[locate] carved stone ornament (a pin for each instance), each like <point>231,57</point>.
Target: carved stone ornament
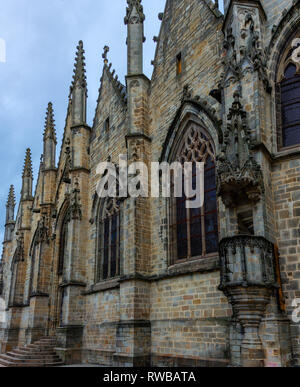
<point>249,56</point>
<point>134,12</point>
<point>239,177</point>
<point>68,166</point>
<point>42,231</point>
<point>75,206</point>
<point>19,253</point>
<point>253,52</point>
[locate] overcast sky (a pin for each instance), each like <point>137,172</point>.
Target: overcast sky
<point>41,39</point>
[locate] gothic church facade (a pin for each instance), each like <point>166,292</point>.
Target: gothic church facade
<point>145,281</point>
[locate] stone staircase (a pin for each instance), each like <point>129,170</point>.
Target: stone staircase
<point>38,354</point>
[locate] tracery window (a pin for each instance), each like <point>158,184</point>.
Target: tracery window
<point>194,232</point>
<point>288,101</point>
<point>109,240</point>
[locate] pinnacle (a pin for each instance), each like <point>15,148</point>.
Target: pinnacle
<point>11,201</point>
<point>134,12</point>
<point>79,77</point>
<point>27,171</point>
<point>49,124</point>
<point>115,81</point>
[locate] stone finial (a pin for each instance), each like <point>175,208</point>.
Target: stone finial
<point>79,77</point>
<point>239,176</point>
<point>49,124</point>
<point>11,201</point>
<point>104,55</point>
<point>27,171</point>
<point>134,12</point>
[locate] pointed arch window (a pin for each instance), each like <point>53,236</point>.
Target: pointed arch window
<point>194,232</point>
<point>288,101</point>
<point>63,245</point>
<point>33,270</point>
<point>17,274</point>
<point>108,255</point>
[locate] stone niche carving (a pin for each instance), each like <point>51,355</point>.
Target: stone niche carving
<point>75,203</point>
<point>239,177</point>
<point>42,230</point>
<point>134,12</point>
<point>243,52</point>
<point>19,253</point>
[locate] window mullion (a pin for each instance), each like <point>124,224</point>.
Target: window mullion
<point>174,246</point>
<point>109,248</point>
<point>189,238</point>
<point>203,230</point>
<point>101,252</point>
<point>118,246</point>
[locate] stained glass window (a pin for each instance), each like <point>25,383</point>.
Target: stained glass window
<point>195,231</point>
<point>290,106</point>
<point>109,241</point>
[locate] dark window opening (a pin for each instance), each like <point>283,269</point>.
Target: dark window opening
<point>63,245</point>
<point>245,222</point>
<point>290,107</point>
<point>195,231</point>
<point>109,242</point>
<point>106,125</point>
<point>179,64</point>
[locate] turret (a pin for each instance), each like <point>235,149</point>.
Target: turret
<point>137,83</point>
<point>135,36</point>
<point>49,139</point>
<point>10,215</point>
<point>78,91</point>
<point>26,193</point>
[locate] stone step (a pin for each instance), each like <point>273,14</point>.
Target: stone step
<point>43,345</point>
<point>51,356</point>
<point>40,347</point>
<point>46,341</point>
<point>38,354</point>
<point>4,363</point>
<point>27,351</point>
<point>18,360</point>
<point>28,362</point>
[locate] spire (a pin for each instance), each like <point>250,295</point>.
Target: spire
<point>79,77</point>
<point>49,124</point>
<point>49,140</point>
<point>134,12</point>
<point>26,193</point>
<point>134,20</point>
<point>78,90</point>
<point>27,170</point>
<point>10,215</point>
<point>104,55</point>
<point>11,201</point>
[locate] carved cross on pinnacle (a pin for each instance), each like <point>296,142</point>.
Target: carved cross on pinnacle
<point>186,94</point>
<point>104,55</point>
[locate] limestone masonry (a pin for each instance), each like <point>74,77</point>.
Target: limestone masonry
<point>145,281</point>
